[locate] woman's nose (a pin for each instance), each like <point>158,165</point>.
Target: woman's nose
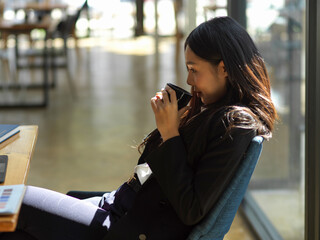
<point>189,79</point>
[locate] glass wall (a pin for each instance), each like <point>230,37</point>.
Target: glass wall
<point>278,28</point>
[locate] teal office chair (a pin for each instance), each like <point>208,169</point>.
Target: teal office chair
<point>218,221</point>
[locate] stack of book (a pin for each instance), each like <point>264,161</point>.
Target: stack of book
<point>7,131</point>
<point>10,198</point>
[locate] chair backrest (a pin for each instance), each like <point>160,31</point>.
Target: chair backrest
<point>219,219</point>
<point>67,25</point>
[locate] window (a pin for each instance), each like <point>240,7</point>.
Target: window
<point>277,186</point>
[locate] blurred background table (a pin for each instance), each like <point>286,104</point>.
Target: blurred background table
<point>17,28</point>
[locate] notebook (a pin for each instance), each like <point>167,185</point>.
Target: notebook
<point>10,198</point>
<point>7,131</point>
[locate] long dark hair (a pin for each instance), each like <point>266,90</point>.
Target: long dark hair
<point>223,38</point>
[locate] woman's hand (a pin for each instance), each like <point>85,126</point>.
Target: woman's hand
<point>166,113</point>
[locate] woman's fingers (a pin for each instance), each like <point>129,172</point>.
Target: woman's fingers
<point>153,104</point>
<point>165,98</point>
<point>156,102</point>
<point>167,95</point>
<point>172,93</point>
<point>165,108</point>
<point>159,95</point>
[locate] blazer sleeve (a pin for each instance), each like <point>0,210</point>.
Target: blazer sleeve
<point>192,191</point>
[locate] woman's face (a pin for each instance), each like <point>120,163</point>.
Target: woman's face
<point>209,82</point>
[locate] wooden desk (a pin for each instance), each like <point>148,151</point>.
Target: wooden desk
<point>19,149</point>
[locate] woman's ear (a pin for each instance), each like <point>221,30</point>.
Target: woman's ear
<point>222,69</point>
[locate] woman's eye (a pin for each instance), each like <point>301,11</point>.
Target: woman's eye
<point>191,70</point>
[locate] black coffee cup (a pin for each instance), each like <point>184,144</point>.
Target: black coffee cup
<point>183,96</point>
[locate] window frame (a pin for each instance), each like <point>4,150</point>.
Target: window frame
<point>312,154</point>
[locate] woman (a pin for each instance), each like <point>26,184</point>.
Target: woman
<point>186,162</point>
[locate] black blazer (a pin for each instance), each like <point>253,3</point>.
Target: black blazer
<point>189,173</point>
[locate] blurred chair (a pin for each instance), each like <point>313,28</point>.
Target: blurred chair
<point>218,221</point>
<point>67,27</point>
<point>64,29</point>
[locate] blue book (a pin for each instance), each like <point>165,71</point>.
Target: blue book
<point>7,131</point>
<point>11,197</point>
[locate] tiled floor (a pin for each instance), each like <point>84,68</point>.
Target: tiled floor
<point>87,142</point>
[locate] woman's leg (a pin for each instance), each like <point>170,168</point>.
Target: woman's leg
<point>46,215</point>
<point>17,235</point>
